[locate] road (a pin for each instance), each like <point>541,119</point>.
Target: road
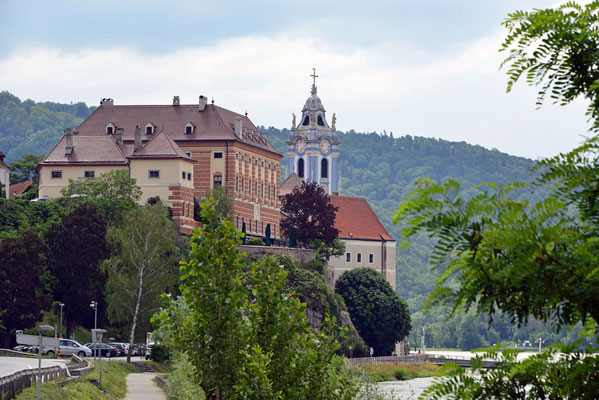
<point>10,365</point>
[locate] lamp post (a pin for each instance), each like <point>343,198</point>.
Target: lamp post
<point>94,305</point>
<point>43,328</point>
<point>61,306</point>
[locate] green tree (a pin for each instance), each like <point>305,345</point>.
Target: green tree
<point>23,292</point>
<point>114,193</point>
<point>378,313</point>
<point>244,333</point>
<point>309,210</point>
<point>24,168</point>
<point>556,49</point>
<point>142,268</point>
<point>77,247</point>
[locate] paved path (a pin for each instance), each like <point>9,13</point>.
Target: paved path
<point>142,387</point>
<point>10,365</point>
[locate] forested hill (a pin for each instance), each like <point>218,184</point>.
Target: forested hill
<point>27,127</point>
<point>382,169</point>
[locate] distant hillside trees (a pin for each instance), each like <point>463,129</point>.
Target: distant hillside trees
<point>27,127</point>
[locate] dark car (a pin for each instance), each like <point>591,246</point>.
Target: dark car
<point>105,349</point>
<point>123,348</point>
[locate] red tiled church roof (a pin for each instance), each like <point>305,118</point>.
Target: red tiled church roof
<point>287,187</point>
<point>214,123</point>
<point>356,220</point>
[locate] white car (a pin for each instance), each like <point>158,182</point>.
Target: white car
<point>70,347</point>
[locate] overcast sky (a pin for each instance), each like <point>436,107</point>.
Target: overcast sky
<point>419,67</point>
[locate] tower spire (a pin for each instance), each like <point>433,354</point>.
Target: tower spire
<point>314,76</point>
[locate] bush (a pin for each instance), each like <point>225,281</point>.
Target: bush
<point>181,385</point>
<point>160,353</point>
<point>255,242</point>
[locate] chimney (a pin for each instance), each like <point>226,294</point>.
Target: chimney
<point>119,136</point>
<point>238,126</point>
<point>203,101</point>
<point>107,102</point>
<point>69,142</point>
<point>137,144</point>
<point>176,101</point>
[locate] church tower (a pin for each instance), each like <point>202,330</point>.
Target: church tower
<point>313,147</point>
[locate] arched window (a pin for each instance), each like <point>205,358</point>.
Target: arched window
<point>300,168</point>
<point>324,168</point>
<point>306,120</point>
<point>320,121</point>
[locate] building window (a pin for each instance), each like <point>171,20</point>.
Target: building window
<point>109,130</point>
<point>256,189</point>
<point>56,174</point>
<point>324,168</point>
<point>154,173</point>
<point>184,174</point>
<point>242,185</point>
<point>300,168</point>
<point>218,154</point>
<point>149,129</point>
<point>189,128</point>
<point>189,176</point>
<point>256,162</point>
<point>243,157</point>
<point>262,190</point>
<point>237,184</point>
<point>269,198</point>
<point>262,164</point>
<point>237,156</point>
<point>89,174</point>
<point>347,257</point>
<point>320,121</point>
<point>359,257</point>
<point>306,120</point>
<point>371,258</point>
<point>218,180</point>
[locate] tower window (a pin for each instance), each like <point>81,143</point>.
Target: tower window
<point>324,168</point>
<point>306,120</point>
<point>300,168</point>
<point>320,121</point>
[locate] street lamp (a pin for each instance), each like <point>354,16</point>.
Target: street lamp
<point>94,305</point>
<point>43,328</point>
<point>61,306</point>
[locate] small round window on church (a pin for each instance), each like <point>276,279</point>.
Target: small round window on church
<point>320,121</point>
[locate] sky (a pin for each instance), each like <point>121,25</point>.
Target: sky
<point>419,67</point>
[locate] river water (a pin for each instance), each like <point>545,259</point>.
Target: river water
<point>405,390</point>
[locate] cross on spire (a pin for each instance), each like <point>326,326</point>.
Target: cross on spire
<point>314,76</point>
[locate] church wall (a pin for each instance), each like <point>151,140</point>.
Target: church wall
<point>379,250</point>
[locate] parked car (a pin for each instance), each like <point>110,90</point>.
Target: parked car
<point>123,348</point>
<point>105,349</point>
<point>138,350</point>
<point>70,347</point>
<point>21,347</point>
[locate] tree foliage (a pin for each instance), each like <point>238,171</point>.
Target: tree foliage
<point>556,49</point>
<point>245,335</point>
<point>77,247</point>
<point>309,210</point>
<point>114,193</point>
<point>24,168</point>
<point>142,268</point>
<point>378,313</point>
<point>23,293</point>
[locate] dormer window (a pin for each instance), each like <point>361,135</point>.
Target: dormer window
<point>149,129</point>
<point>109,129</point>
<point>189,128</point>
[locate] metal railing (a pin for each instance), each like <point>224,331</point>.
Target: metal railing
<point>410,359</point>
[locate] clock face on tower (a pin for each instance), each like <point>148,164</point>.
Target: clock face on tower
<point>300,146</point>
<point>325,146</point>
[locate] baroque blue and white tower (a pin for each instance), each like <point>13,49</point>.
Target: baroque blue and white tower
<point>313,147</point>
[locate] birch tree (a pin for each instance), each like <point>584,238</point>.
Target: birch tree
<point>143,266</point>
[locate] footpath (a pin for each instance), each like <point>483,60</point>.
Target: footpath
<point>142,387</point>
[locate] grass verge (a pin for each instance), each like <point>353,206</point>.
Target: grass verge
<point>159,367</point>
<point>113,385</point>
<point>402,372</point>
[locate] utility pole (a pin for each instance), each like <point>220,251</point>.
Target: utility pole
<point>61,306</point>
<point>422,340</point>
<point>94,305</point>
